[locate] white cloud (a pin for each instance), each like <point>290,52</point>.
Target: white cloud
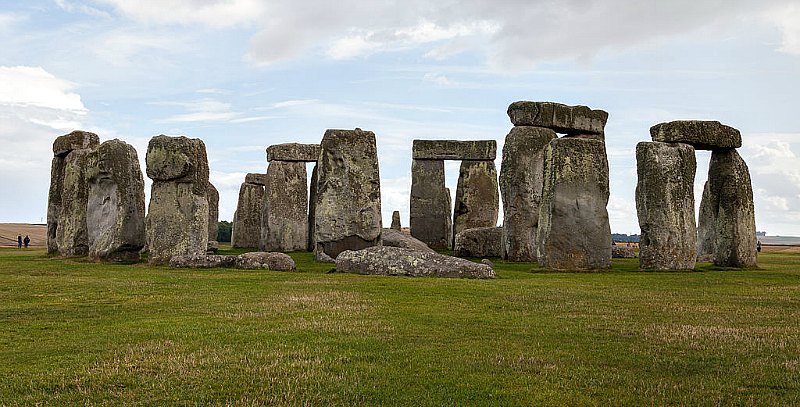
<point>73,7</point>
<point>207,110</point>
<point>787,19</point>
<point>215,13</point>
<point>33,86</point>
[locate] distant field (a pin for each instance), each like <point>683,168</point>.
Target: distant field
<point>10,231</point>
<point>77,332</point>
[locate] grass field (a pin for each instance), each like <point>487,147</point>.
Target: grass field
<point>76,332</point>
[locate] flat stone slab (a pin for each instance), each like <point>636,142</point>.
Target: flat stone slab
<point>396,261</point>
<point>257,179</point>
<point>245,261</point>
<point>293,152</point>
<point>396,238</point>
<point>483,150</point>
<point>702,135</point>
<point>558,117</point>
<point>77,140</point>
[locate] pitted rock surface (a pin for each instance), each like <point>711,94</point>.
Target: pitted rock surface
<point>558,117</point>
<point>479,242</point>
<point>482,150</point>
<point>396,261</point>
<point>702,135</point>
<point>284,213</point>
<point>396,238</point>
<point>477,196</point>
<point>293,152</point>
<point>213,218</point>
<point>246,229</point>
<point>431,218</point>
<point>265,260</point>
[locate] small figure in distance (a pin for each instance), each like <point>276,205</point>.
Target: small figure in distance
<point>758,246</point>
<point>26,241</point>
<point>19,241</point>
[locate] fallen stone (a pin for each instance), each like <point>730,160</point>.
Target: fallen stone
<point>396,238</point>
<point>246,228</point>
<point>482,150</point>
<point>487,262</point>
<point>479,242</point>
<point>622,252</point>
<point>396,220</point>
<point>284,214</point>
<point>431,218</point>
<point>702,135</point>
<point>477,196</point>
<point>396,261</point>
<point>213,218</point>
<point>202,261</point>
<point>265,260</point>
<point>558,117</point>
<point>77,140</point>
<point>293,152</point>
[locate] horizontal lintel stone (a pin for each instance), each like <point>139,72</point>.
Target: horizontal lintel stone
<point>482,150</point>
<point>293,152</point>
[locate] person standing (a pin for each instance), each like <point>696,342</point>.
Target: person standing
<point>19,241</point>
<point>26,241</point>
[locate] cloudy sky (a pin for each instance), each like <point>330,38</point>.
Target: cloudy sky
<point>245,74</point>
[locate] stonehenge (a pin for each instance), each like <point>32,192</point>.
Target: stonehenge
<point>479,242</point>
<point>396,220</point>
<point>477,196</point>
<point>213,218</point>
<point>397,261</point>
<point>284,211</point>
<point>430,213</point>
<point>246,229</point>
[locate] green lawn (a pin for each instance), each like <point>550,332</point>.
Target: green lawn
<point>76,332</point>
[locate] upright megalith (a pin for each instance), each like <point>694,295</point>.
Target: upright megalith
<point>246,228</point>
<point>312,208</point>
<point>521,182</point>
<point>477,196</point>
<point>67,233</point>
<point>573,231</point>
<point>706,225</point>
<point>665,205</point>
<point>284,214</point>
<point>348,195</point>
<point>396,220</point>
<point>213,218</point>
<point>115,207</point>
<point>430,207</point>
<point>177,218</point>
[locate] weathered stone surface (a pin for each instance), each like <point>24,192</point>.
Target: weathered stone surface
<point>707,220</point>
<point>702,135</point>
<point>265,260</point>
<point>396,238</point>
<point>483,150</point>
<point>479,242</point>
<point>202,261</point>
<point>258,179</point>
<point>115,209</point>
<point>72,237</point>
<point>177,217</point>
<point>430,207</point>
<point>396,220</point>
<point>246,228</point>
<point>477,196</point>
<point>54,202</point>
<point>558,117</point>
<point>213,218</point>
<point>735,225</point>
<point>396,261</point>
<point>77,140</point>
<point>348,204</point>
<point>665,206</point>
<point>312,208</point>
<point>521,182</point>
<point>573,232</point>
<point>293,152</point>
<point>622,252</point>
<point>284,211</point>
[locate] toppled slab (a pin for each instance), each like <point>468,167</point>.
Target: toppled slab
<point>396,261</point>
<point>479,242</point>
<point>245,261</point>
<point>396,238</point>
<point>454,150</point>
<point>702,135</point>
<point>293,152</point>
<point>622,252</point>
<point>202,261</point>
<point>558,117</point>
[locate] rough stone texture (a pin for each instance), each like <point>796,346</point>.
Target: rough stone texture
<point>558,117</point>
<point>574,233</point>
<point>213,218</point>
<point>77,140</point>
<point>622,252</point>
<point>482,150</point>
<point>177,217</point>
<point>521,182</point>
<point>115,209</point>
<point>265,260</point>
<point>293,152</point>
<point>707,220</point>
<point>477,196</point>
<point>396,238</point>
<point>54,202</point>
<point>430,207</point>
<point>203,261</point>
<point>257,179</point>
<point>396,261</point>
<point>665,206</point>
<point>246,228</point>
<point>312,208</point>
<point>396,220</point>
<point>348,201</point>
<point>284,213</point>
<point>735,225</point>
<point>479,242</point>
<point>702,135</point>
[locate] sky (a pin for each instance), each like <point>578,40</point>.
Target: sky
<point>246,74</point>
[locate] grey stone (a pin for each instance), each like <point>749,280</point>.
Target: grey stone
<point>430,207</point>
<point>312,208</point>
<point>396,238</point>
<point>54,203</point>
<point>477,196</point>
<point>348,201</point>
<point>284,211</point>
<point>707,220</point>
<point>396,220</point>
<point>479,242</point>
<point>77,140</point>
<point>265,260</point>
<point>487,262</point>
<point>558,117</point>
<point>521,182</point>
<point>293,152</point>
<point>202,261</point>
<point>622,252</point>
<point>665,206</point>
<point>574,232</point>
<point>483,150</point>
<point>246,228</point>
<point>177,216</point>
<point>396,261</point>
<point>257,179</point>
<point>702,135</point>
<point>213,218</point>
<point>115,209</point>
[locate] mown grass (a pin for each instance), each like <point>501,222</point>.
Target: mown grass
<point>78,332</point>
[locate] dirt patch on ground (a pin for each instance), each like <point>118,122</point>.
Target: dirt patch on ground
<point>780,248</point>
<point>10,231</point>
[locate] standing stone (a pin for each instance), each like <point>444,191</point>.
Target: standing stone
<point>396,220</point>
<point>284,218</point>
<point>477,196</point>
<point>312,208</point>
<point>706,223</point>
<point>574,232</point>
<point>430,214</point>
<point>348,201</point>
<point>479,242</point>
<point>115,209</point>
<point>521,182</point>
<point>246,229</point>
<point>213,218</point>
<point>735,225</point>
<point>177,217</point>
<point>66,212</point>
<point>665,206</point>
